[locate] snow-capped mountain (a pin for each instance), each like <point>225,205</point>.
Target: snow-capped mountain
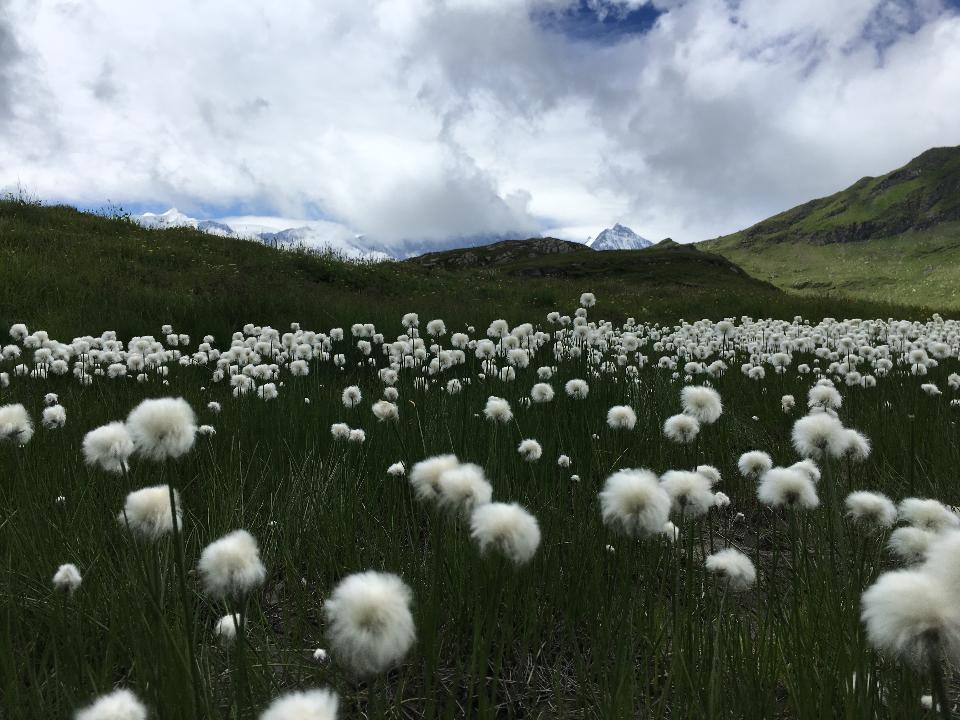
<point>619,237</point>
<point>277,232</point>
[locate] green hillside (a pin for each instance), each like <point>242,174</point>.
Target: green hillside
<point>64,270</point>
<point>894,238</point>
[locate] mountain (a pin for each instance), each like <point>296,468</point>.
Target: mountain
<point>317,235</point>
<point>619,237</point>
<point>895,237</point>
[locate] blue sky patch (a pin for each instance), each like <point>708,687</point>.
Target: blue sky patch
<point>599,22</point>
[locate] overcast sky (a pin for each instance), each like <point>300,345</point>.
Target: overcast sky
<point>438,119</point>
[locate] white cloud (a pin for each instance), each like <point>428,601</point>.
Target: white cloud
<point>428,120</point>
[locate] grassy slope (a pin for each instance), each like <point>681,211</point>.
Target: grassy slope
<point>65,271</point>
<point>895,238</point>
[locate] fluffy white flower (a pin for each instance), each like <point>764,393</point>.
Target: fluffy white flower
<point>351,396</point>
<point>854,445</point>
<point>633,501</point>
<point>824,396</point>
<point>498,410</point>
<point>754,463</point>
<point>231,566</point>
<point>213,407</point>
<point>226,628</point>
<point>928,514</point>
<point>108,446</point>
<point>370,625</point>
<point>577,389</point>
<point>689,492</point>
<point>396,470</point>
<point>303,705</point>
<point>54,417</point>
<point>588,300</point>
<point>530,450</point>
<point>814,435</point>
<point>721,500</point>
<point>787,403</point>
<point>384,410</point>
<point>563,461</point>
<point>735,567</point>
<point>871,508</point>
<point>910,543</point>
<point>147,511</point>
<point>425,475</point>
<point>462,488</point>
<point>903,609</point>
<point>340,431</point>
<point>701,402</point>
<point>67,578</point>
<point>541,392</point>
<point>710,473</point>
<point>357,436</point>
<point>118,705</point>
<point>681,428</point>
<point>621,417</point>
<point>786,487</point>
<point>809,468</point>
<point>162,428</point>
<point>508,529</point>
<point>15,424</point>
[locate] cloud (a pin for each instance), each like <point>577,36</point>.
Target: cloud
<point>436,121</point>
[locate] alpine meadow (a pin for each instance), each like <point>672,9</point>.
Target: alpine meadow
<point>480,360</point>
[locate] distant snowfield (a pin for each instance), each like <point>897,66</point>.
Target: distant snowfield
<point>328,235</point>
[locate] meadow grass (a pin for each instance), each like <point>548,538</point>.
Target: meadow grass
<point>597,625</point>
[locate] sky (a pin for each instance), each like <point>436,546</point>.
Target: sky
<point>434,121</point>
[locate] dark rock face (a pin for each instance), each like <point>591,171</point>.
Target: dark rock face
<point>500,253</point>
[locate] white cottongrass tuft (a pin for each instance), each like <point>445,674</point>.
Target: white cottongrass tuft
<point>530,450</point>
<point>809,468</point>
<point>231,566</point>
<point>462,488</point>
<point>871,508</point>
<point>162,428</point>
<point>854,445</point>
<point>226,628</point>
<point>577,389</point>
<point>817,434</point>
<point>54,417</point>
<point>754,463</point>
<point>67,578</point>
<point>710,473</point>
<point>370,625</point>
<point>118,705</point>
<point>787,403</point>
<point>681,428</point>
<point>396,470</point>
<point>147,511</point>
<point>621,417</point>
<point>541,393</point>
<point>340,431</point>
<point>928,514</point>
<point>385,410</point>
<point>15,424</point>
<point>824,396</point>
<point>735,567</point>
<point>633,501</point>
<point>689,492</point>
<point>109,447</point>
<point>701,402</point>
<point>351,397</point>
<point>303,705</point>
<point>943,560</point>
<point>910,544</point>
<point>905,609</point>
<point>564,461</point>
<point>787,488</point>
<point>425,475</point>
<point>357,436</point>
<point>498,410</point>
<point>506,528</point>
